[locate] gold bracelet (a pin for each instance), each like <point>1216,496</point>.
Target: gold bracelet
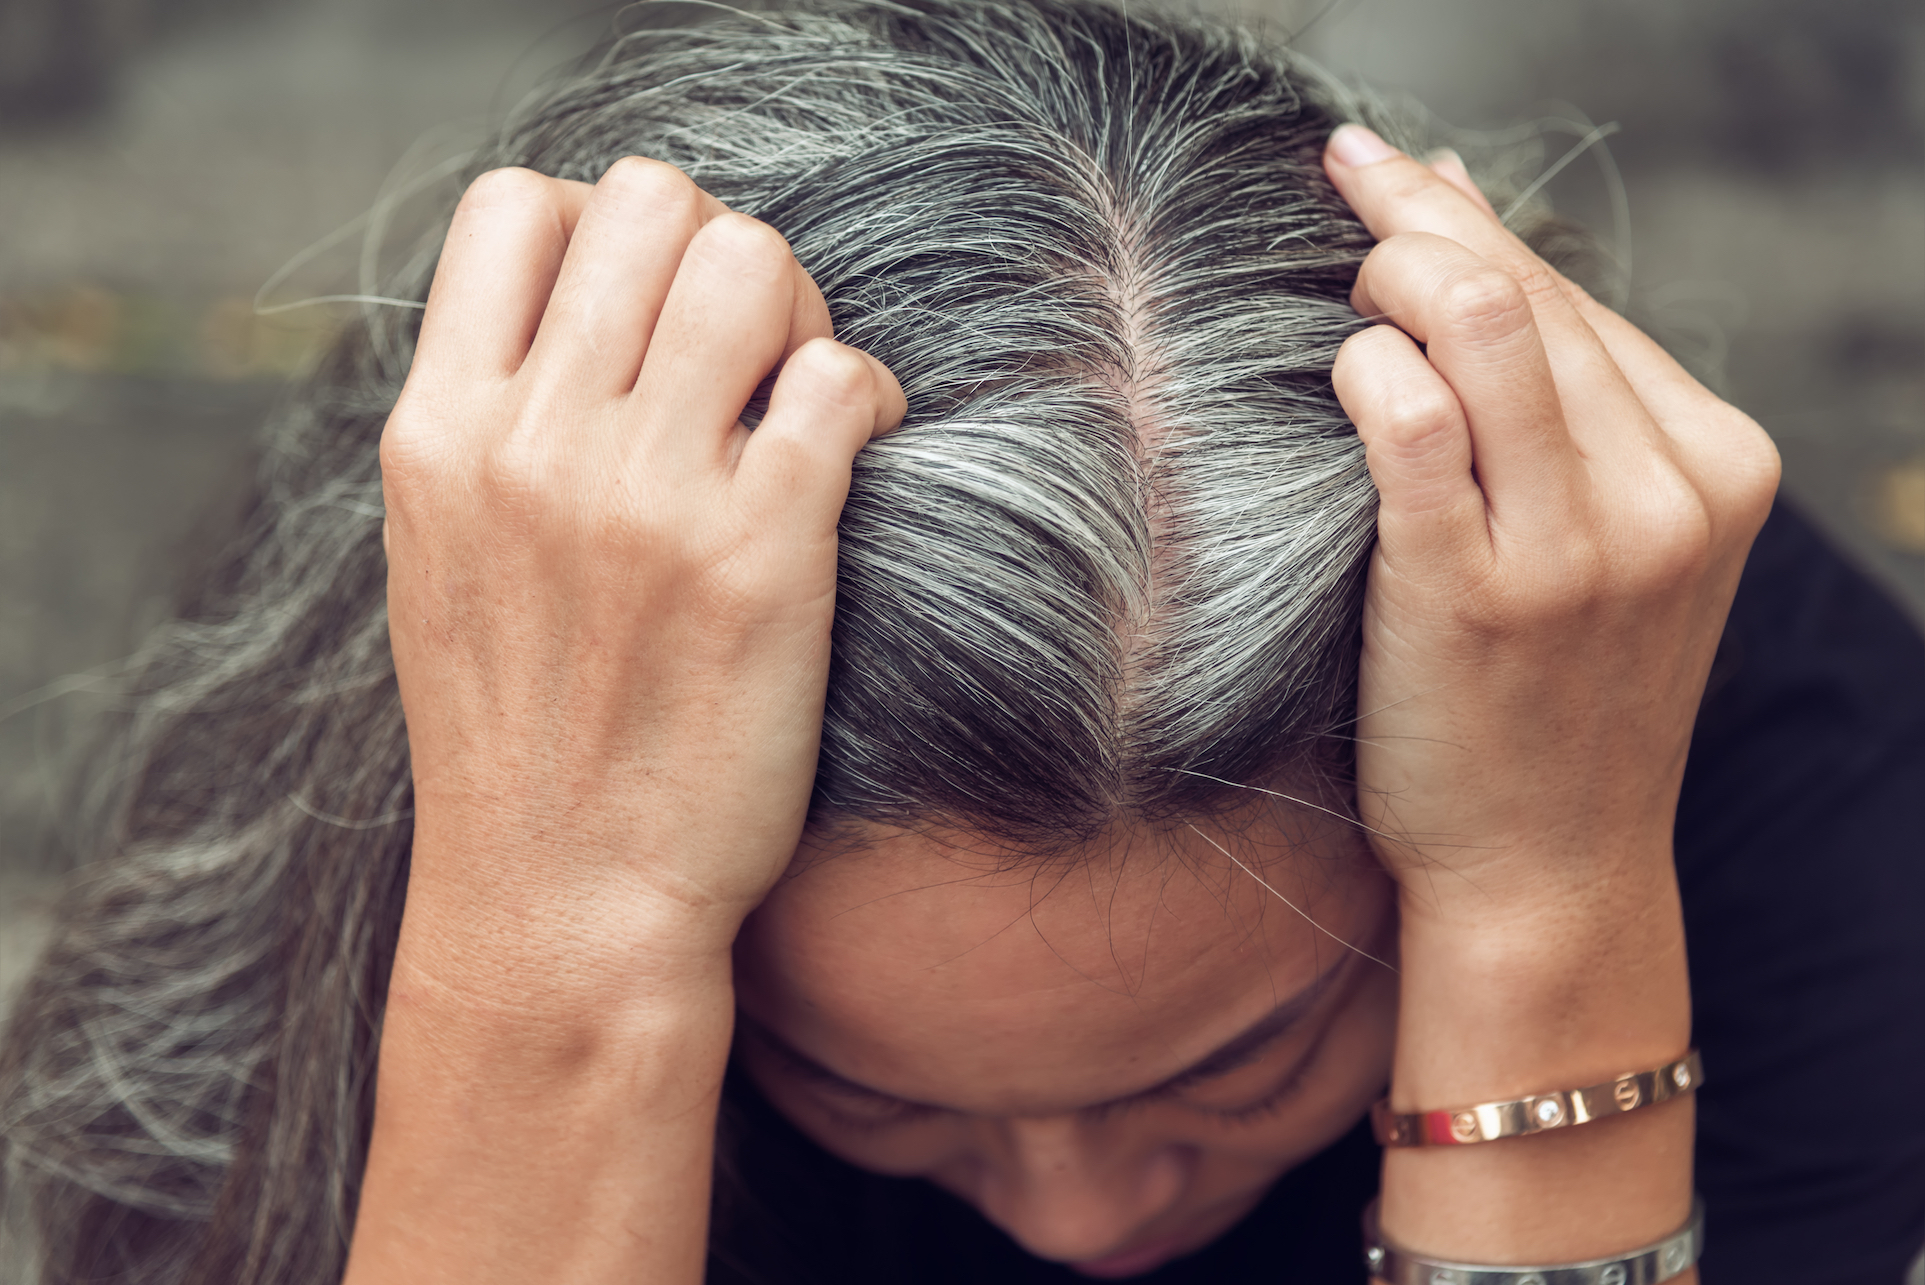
<point>1539,1113</point>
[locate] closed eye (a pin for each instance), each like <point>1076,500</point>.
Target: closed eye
<point>854,1104</point>
<point>1270,1103</point>
<point>1265,1106</point>
<point>866,1109</point>
<point>862,1107</point>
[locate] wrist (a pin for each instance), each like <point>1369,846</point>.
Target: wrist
<point>520,1136</point>
<point>1532,878</point>
<point>606,846</point>
<point>501,913</point>
<point>610,972</point>
<point>1519,1002</point>
<point>1566,992</point>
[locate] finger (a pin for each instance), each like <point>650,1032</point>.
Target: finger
<point>808,320</point>
<point>810,317</point>
<point>1395,195</point>
<point>1623,395</point>
<point>1449,166</point>
<point>1723,450</point>
<point>829,400</point>
<point>616,275</point>
<point>1392,194</point>
<point>1418,445</point>
<point>1481,337</point>
<point>1673,396</point>
<point>724,326</point>
<point>504,248</point>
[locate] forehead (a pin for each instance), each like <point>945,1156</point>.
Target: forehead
<point>909,965</point>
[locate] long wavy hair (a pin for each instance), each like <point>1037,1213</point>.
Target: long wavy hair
<point>1112,563</point>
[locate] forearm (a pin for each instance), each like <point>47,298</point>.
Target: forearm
<point>1552,1001</point>
<point>1563,517</point>
<point>517,1142</point>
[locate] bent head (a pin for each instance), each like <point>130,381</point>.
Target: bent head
<point>1105,577</point>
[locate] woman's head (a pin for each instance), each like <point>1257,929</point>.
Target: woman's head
<point>1107,571</point>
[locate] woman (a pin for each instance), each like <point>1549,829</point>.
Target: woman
<point>1141,822</point>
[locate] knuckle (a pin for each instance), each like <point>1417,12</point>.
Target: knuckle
<point>654,185</point>
<point>1543,287</point>
<point>513,467</point>
<point>404,462</point>
<point>1678,534</point>
<point>746,243</point>
<point>1412,410</point>
<point>408,451</point>
<point>835,372</point>
<point>1659,543</point>
<point>1485,303</point>
<point>512,186</point>
<point>1579,298</point>
<point>1756,468</point>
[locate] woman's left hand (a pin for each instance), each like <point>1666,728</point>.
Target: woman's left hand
<point>1565,513</point>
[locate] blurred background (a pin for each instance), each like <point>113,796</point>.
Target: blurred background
<point>162,160</point>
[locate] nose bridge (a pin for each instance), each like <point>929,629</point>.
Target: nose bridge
<point>1054,1143</point>
<point>1070,1188</point>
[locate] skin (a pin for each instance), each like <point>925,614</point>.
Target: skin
<point>610,608</point>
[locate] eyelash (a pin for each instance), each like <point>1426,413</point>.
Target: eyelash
<point>1269,1105</point>
<point>880,1113</point>
<point>875,1111</point>
<point>1271,1102</point>
<point>884,1113</point>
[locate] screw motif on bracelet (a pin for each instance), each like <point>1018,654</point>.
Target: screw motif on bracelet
<point>1539,1112</point>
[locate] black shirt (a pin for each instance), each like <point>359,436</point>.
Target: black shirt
<point>1801,858</point>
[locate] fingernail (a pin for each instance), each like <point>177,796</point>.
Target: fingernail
<point>1355,147</point>
<point>1446,156</point>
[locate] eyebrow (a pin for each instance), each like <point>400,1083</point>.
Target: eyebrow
<point>1239,1051</point>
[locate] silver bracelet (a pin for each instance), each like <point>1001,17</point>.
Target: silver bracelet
<point>1670,1257</point>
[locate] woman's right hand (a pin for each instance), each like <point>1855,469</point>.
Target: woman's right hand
<point>609,601</point>
<point>609,604</point>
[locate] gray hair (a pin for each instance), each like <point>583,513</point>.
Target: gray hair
<point>1111,566</point>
